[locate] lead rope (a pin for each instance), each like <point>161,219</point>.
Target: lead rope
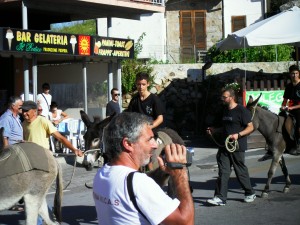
<point>74,166</point>
<point>230,145</point>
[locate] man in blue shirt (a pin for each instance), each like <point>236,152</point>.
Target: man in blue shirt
<point>10,121</point>
<point>13,131</point>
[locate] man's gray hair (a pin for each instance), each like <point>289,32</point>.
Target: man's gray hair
<point>124,125</point>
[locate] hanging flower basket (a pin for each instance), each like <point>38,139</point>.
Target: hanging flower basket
<point>235,86</point>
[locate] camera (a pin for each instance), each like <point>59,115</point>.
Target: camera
<point>173,165</point>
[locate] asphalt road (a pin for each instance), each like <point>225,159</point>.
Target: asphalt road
<point>278,208</point>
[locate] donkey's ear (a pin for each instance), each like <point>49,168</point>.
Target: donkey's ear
<point>85,118</point>
<point>256,100</point>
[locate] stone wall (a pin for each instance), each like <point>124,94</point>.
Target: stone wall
<point>192,104</point>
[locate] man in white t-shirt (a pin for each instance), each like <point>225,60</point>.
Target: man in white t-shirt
<point>129,143</point>
<point>44,100</point>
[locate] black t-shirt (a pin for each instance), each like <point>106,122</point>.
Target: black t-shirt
<point>151,106</point>
<point>292,93</point>
<point>234,121</point>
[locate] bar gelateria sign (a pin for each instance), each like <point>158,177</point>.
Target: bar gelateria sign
<point>39,42</point>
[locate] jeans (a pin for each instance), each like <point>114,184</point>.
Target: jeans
<point>39,220</point>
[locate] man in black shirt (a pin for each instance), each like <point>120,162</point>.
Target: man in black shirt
<point>236,126</point>
<point>113,105</point>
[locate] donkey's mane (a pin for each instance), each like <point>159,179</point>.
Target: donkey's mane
<point>265,108</point>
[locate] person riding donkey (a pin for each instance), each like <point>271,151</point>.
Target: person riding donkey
<point>290,108</point>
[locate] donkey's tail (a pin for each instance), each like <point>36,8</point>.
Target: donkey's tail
<point>58,195</point>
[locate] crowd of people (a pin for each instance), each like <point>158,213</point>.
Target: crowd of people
<point>121,193</point>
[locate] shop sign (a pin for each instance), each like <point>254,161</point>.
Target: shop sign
<point>113,47</point>
<point>38,42</point>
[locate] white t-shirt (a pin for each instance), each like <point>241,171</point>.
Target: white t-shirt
<point>58,115</point>
<point>44,104</point>
<point>113,204</point>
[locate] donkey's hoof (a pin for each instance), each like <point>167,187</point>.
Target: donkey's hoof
<point>264,194</point>
<point>286,190</point>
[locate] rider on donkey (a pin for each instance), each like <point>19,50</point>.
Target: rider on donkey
<point>291,104</point>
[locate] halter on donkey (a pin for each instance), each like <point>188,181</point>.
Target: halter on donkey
<point>271,126</point>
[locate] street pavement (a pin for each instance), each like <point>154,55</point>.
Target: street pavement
<point>78,206</point>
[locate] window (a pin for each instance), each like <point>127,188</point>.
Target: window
<point>237,23</point>
<point>192,33</point>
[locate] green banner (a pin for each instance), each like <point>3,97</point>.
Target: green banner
<point>270,99</point>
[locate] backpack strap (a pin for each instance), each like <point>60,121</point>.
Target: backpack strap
<point>131,193</point>
<point>46,101</point>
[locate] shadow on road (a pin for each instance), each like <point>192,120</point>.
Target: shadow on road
<point>84,214</point>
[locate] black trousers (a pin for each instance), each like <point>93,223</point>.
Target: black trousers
<point>226,161</point>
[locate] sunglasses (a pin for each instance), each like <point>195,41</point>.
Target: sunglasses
<point>116,94</point>
<point>40,110</point>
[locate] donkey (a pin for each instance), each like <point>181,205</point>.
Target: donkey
<point>29,180</point>
<point>93,140</point>
<point>271,126</point>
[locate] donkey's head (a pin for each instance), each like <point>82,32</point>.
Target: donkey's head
<point>93,138</point>
<point>252,106</point>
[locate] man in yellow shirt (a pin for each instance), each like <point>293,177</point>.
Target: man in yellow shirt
<point>38,129</point>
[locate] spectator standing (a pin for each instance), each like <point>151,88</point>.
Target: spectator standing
<point>38,129</point>
<point>129,142</point>
<point>44,99</point>
<point>10,121</point>
<point>56,115</point>
<point>236,124</point>
<point>13,131</point>
<point>113,105</point>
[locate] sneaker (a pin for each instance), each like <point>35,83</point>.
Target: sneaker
<point>294,151</point>
<point>216,201</point>
<point>249,198</point>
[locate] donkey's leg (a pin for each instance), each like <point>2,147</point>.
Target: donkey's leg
<point>271,172</point>
<point>32,205</point>
<point>286,175</point>
<point>44,213</point>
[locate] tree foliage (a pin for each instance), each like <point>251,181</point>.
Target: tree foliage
<point>270,53</point>
<point>87,27</point>
<point>130,67</point>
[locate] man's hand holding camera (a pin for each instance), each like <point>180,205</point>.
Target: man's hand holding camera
<point>174,158</point>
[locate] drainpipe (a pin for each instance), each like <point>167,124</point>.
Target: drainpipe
<point>110,64</point>
<point>223,25</point>
<point>25,61</point>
